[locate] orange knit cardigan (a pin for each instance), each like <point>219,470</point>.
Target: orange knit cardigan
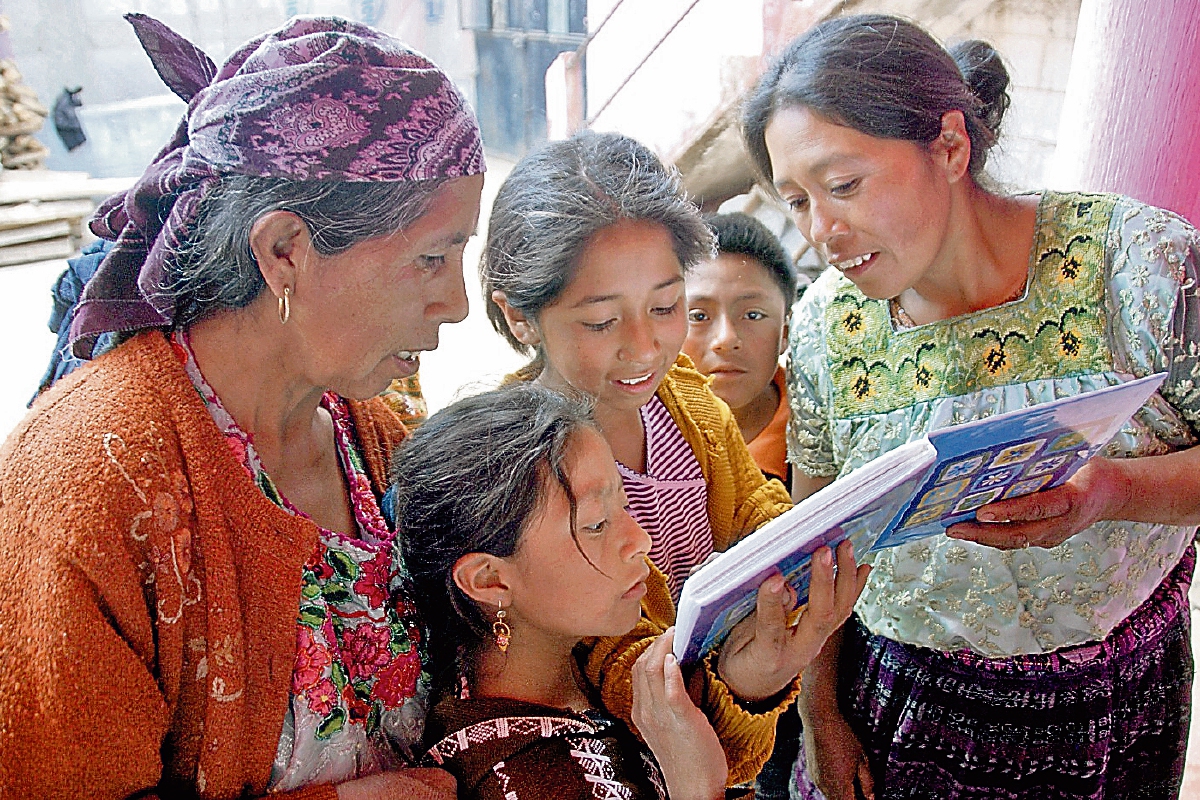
<point>148,615</point>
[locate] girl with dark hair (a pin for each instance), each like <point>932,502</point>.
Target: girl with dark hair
<point>584,267</point>
<point>518,538</point>
<point>210,605</point>
<point>1042,651</point>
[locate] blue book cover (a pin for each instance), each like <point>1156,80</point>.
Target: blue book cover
<point>909,493</point>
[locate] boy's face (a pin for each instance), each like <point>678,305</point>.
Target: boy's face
<point>737,325</point>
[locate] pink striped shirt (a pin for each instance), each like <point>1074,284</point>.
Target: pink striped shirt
<point>669,501</point>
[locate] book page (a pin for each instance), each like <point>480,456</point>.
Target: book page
<point>1014,454</point>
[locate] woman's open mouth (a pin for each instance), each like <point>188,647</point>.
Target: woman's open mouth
<point>854,266</point>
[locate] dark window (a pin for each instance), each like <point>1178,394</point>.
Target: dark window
<point>577,16</point>
<point>528,15</point>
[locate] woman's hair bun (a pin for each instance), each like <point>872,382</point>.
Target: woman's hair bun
<point>987,77</point>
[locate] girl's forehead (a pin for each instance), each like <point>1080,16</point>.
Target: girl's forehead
<point>626,257</point>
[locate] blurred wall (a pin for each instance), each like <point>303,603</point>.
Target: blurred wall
<point>128,113</point>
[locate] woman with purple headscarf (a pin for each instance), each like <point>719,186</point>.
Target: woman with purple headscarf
<point>202,597</point>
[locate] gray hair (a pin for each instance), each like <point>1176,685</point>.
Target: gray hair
<point>561,195</point>
<point>215,268</point>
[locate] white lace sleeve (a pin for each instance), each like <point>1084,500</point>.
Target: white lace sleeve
<point>809,430</point>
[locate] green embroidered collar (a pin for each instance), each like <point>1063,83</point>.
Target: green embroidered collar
<point>1059,321</point>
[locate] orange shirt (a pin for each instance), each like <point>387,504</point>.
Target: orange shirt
<point>769,448</point>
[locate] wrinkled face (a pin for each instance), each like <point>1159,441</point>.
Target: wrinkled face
<point>364,315</point>
<point>876,209</point>
<point>736,325</point>
<point>618,326</point>
<point>555,590</point>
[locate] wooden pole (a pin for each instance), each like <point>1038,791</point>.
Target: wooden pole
<point>1131,116</point>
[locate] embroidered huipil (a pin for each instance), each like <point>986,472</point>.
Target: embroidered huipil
<point>669,500</point>
<point>359,691</point>
<point>503,749</point>
<point>1111,295</point>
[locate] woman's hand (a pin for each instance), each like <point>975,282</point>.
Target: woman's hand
<point>678,733</point>
<point>1047,519</point>
<point>763,654</point>
<point>835,759</point>
<point>405,784</point>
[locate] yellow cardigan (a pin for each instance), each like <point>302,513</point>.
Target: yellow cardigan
<point>740,499</point>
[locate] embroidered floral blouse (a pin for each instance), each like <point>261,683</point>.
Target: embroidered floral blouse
<point>1111,295</point>
<point>359,691</point>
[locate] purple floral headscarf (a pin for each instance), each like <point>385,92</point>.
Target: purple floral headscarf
<point>319,99</point>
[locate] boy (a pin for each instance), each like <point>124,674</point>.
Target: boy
<point>738,307</point>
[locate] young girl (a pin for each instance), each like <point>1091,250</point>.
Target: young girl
<point>584,269</point>
<point>518,539</point>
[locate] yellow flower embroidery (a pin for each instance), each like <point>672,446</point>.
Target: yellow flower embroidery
<point>1070,343</point>
<point>1070,268</point>
<point>995,359</point>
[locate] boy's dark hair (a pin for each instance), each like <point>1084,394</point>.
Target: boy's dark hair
<point>883,76</point>
<point>468,481</point>
<point>742,234</point>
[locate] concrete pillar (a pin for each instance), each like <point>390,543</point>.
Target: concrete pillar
<point>564,95</point>
<point>1131,117</point>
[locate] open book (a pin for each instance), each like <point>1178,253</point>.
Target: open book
<point>913,491</point>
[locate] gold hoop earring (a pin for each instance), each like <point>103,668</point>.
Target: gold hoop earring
<point>501,630</point>
<point>285,306</point>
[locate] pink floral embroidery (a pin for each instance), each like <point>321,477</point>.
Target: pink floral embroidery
<point>237,444</point>
<point>318,565</point>
<point>312,659</point>
<point>398,680</point>
<point>365,650</point>
<point>322,697</point>
<point>373,583</point>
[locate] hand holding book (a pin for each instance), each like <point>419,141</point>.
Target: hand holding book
<point>1017,466</point>
<point>1050,517</point>
<point>767,649</point>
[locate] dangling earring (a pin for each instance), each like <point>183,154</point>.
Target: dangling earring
<point>500,629</point>
<point>285,306</point>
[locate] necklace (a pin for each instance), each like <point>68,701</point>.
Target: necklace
<point>902,320</point>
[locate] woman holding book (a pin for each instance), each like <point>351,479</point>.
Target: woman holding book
<point>1044,650</point>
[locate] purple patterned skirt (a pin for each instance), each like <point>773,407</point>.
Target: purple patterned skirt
<point>1100,721</point>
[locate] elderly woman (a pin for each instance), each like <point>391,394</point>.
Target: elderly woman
<point>204,598</point>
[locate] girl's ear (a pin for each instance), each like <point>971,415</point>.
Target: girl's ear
<point>952,147</point>
<point>522,328</point>
<point>280,243</point>
<point>783,336</point>
<point>481,577</point>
